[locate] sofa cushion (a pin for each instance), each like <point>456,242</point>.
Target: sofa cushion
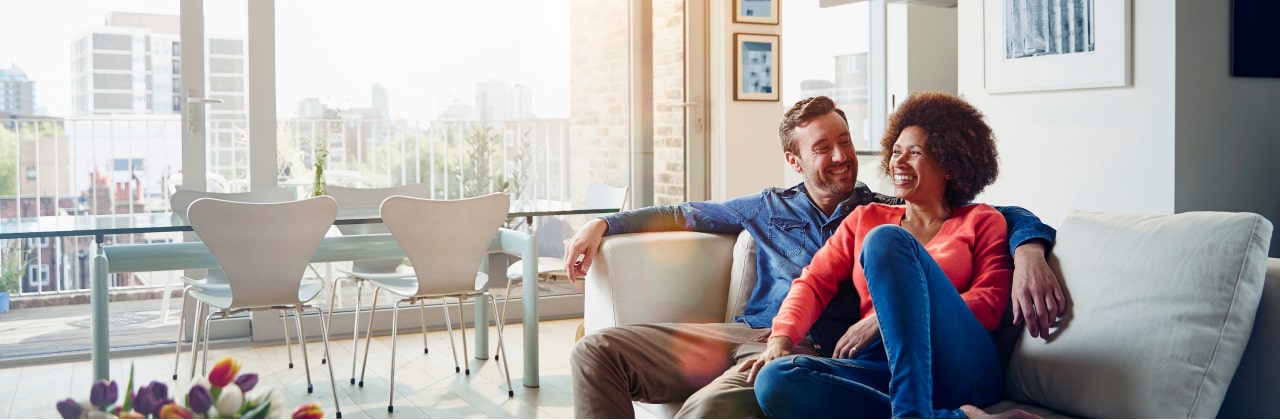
<point>1161,310</point>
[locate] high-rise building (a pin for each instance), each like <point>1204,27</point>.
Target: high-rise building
<point>17,93</point>
<point>132,66</point>
<point>502,101</point>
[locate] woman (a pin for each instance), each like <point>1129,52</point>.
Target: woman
<point>922,347</point>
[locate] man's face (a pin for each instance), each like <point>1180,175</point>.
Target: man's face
<point>826,160</point>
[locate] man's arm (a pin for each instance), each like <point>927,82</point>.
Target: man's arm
<point>702,216</point>
<point>1037,297</point>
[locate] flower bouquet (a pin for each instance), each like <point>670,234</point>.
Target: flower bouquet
<point>226,393</point>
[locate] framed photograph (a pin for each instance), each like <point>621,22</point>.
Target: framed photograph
<point>756,11</point>
<point>755,74</point>
<point>1032,45</point>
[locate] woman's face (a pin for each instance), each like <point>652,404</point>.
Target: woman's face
<point>916,175</point>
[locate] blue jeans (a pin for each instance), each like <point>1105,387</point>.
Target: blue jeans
<point>918,310</point>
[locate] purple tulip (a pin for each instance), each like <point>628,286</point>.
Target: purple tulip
<point>69,409</point>
<point>247,381</point>
<point>103,394</point>
<point>151,398</point>
<point>199,399</point>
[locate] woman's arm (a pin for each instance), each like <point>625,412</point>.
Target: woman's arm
<point>988,291</point>
<point>818,282</point>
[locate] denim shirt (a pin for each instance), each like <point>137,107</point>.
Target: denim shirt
<point>789,229</point>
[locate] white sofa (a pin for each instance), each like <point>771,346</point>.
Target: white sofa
<point>1162,322</point>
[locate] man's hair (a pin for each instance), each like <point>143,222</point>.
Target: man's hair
<point>958,139</point>
<point>802,112</point>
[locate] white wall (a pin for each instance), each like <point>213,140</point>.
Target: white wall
<point>1108,149</point>
<point>745,154</point>
<point>1228,128</point>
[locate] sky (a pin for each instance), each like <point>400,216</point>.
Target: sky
<point>426,53</point>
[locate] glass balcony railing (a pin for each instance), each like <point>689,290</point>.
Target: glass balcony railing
<point>132,164</point>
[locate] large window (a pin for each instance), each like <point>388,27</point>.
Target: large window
<point>828,53</point>
<point>527,97</point>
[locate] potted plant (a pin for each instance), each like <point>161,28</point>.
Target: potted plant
<point>13,263</point>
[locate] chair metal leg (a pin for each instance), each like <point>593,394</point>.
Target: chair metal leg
<point>422,313</point>
<point>506,303</point>
<point>197,326</point>
<point>288,347</point>
<point>182,325</point>
<point>355,328</point>
<point>324,332</point>
<point>373,311</point>
<point>306,363</point>
<point>204,350</point>
<point>444,304</point>
<point>462,322</point>
<point>501,348</point>
<point>395,316</point>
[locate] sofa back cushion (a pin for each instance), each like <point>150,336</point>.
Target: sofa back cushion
<point>1161,310</point>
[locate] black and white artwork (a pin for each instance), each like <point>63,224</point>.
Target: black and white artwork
<point>1034,28</point>
<point>756,11</point>
<point>756,72</point>
<point>1036,45</point>
<point>757,66</point>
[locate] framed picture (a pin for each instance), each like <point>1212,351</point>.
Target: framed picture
<point>1034,45</point>
<point>756,11</point>
<point>755,74</point>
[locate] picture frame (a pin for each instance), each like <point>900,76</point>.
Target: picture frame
<point>1038,45</point>
<point>756,71</point>
<point>756,11</point>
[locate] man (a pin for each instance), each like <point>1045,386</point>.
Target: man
<point>699,363</point>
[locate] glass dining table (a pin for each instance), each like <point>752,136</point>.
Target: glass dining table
<point>144,257</point>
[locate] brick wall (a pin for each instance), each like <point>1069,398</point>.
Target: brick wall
<point>598,109</point>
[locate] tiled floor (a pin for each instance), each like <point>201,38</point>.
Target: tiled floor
<point>426,385</point>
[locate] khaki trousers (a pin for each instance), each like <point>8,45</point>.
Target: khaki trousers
<point>696,364</point>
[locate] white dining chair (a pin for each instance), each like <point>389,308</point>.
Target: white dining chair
<point>446,241</point>
<point>214,278</point>
<point>264,249</point>
<point>551,235</point>
<point>354,199</point>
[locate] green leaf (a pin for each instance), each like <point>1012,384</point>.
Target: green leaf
<point>128,392</point>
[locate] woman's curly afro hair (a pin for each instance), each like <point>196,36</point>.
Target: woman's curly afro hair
<point>958,139</point>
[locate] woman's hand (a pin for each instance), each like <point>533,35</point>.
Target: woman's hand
<point>776,347</point>
<point>857,337</point>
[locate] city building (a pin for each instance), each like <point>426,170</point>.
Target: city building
<point>502,101</point>
<point>17,93</point>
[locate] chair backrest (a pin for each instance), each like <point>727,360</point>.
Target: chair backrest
<point>604,196</point>
<point>445,240</point>
<point>263,247</point>
<point>349,198</point>
<point>354,198</point>
<point>182,199</point>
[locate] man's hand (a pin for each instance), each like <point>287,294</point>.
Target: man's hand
<point>775,348</point>
<point>581,249</point>
<point>856,339</point>
<point>1037,296</point>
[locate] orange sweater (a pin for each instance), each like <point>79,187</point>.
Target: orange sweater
<point>971,248</point>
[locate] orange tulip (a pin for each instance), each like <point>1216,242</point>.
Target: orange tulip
<point>308,411</point>
<point>224,372</point>
<point>174,411</point>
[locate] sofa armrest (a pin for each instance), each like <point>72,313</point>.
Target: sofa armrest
<point>1252,393</point>
<point>658,277</point>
